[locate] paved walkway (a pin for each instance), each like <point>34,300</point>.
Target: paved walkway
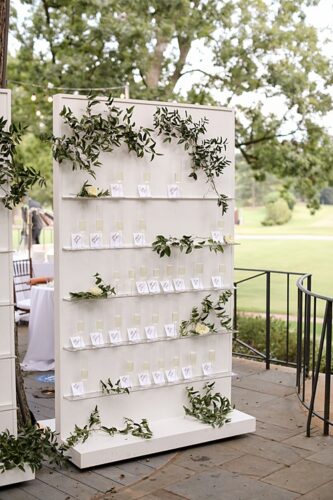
<point>276,463</point>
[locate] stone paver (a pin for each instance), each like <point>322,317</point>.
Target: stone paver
<point>324,492</point>
<point>252,466</point>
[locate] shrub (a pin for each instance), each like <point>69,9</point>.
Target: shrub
<point>277,213</point>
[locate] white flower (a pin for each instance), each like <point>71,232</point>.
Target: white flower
<point>95,290</point>
<point>92,190</point>
<point>201,329</point>
<point>228,239</point>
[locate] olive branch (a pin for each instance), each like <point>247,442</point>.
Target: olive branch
<point>99,291</point>
<point>163,245</point>
<point>86,192</point>
<point>209,408</point>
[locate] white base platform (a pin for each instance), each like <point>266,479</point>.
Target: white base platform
<point>168,435</point>
<point>16,476</point>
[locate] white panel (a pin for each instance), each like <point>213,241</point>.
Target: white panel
<point>195,213</point>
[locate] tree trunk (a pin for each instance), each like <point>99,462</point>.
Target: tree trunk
<point>4,21</point>
<point>23,411</point>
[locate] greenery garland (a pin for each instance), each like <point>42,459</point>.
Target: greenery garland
<point>209,408</point>
<point>163,245</point>
<point>15,178</point>
<point>89,191</point>
<point>99,291</point>
<point>109,388</point>
<point>207,155</point>
<point>198,323</point>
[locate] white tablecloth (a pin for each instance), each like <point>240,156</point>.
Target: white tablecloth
<point>40,353</point>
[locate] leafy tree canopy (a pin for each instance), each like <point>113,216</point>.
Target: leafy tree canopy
<point>261,51</point>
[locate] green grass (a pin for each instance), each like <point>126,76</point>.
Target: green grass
<point>314,257</point>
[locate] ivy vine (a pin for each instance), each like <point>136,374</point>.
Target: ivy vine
<point>15,178</point>
<point>209,408</point>
<point>198,323</point>
<point>163,245</point>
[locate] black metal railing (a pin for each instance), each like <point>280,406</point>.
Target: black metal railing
<point>314,363</point>
<point>252,351</point>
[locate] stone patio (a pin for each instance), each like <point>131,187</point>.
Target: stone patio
<point>277,462</point>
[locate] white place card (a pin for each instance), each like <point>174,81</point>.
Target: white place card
<point>116,239</point>
<point>77,388</point>
<point>142,287</point>
<point>179,284</point>
<point>144,191</point>
<point>133,334</point>
<point>115,336</point>
<point>153,286</point>
<point>139,239</point>
<point>197,283</point>
<point>158,377</point>
<point>77,342</point>
<point>125,381</point>
<point>97,338</point>
<point>187,372</point>
<point>151,332</point>
<point>117,190</point>
<point>207,368</point>
<point>170,330</point>
<point>171,375</point>
<point>167,286</point>
<point>173,191</point>
<point>77,240</point>
<point>217,236</point>
<point>144,379</point>
<point>217,281</point>
<point>96,240</point>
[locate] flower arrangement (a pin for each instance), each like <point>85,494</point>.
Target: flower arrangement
<point>198,323</point>
<point>163,245</point>
<point>98,291</point>
<point>209,408</point>
<point>90,191</point>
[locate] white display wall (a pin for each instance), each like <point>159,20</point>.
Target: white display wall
<point>193,212</point>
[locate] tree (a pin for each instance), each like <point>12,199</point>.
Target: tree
<point>263,49</point>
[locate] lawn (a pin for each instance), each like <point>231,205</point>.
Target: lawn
<point>314,257</point>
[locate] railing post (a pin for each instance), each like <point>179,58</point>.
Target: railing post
<point>328,369</point>
<point>268,319</point>
<point>235,310</point>
<point>299,339</point>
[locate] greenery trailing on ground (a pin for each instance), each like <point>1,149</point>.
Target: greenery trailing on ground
<point>207,155</point>
<point>15,178</point>
<point>99,291</point>
<point>209,408</point>
<point>163,245</point>
<point>109,388</point>
<point>198,324</point>
<point>94,133</point>
<point>89,191</point>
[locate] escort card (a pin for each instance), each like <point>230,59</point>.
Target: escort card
<point>167,286</point>
<point>207,368</point>
<point>97,338</point>
<point>117,190</point>
<point>151,332</point>
<point>179,284</point>
<point>115,336</point>
<point>153,286</point>
<point>217,236</point>
<point>116,239</point>
<point>158,377</point>
<point>170,330</point>
<point>144,378</point>
<point>144,191</point>
<point>77,388</point>
<point>142,287</point>
<point>77,240</point>
<point>197,283</point>
<point>217,281</point>
<point>96,240</point>
<point>187,372</point>
<point>173,191</point>
<point>171,375</point>
<point>139,239</point>
<point>77,342</point>
<point>125,381</point>
<point>133,334</point>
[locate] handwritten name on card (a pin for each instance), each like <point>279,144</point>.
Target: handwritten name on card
<point>144,378</point>
<point>77,342</point>
<point>217,281</point>
<point>144,191</point>
<point>77,240</point>
<point>142,287</point>
<point>133,334</point>
<point>167,286</point>
<point>173,191</point>
<point>158,377</point>
<point>207,368</point>
<point>151,332</point>
<point>77,388</point>
<point>171,375</point>
<point>217,236</point>
<point>170,330</point>
<point>116,239</point>
<point>197,283</point>
<point>187,372</point>
<point>179,284</point>
<point>115,336</point>
<point>97,338</point>
<point>125,381</point>
<point>139,239</point>
<point>154,286</point>
<point>117,190</point>
<point>96,240</point>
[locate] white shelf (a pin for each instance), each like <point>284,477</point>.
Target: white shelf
<point>7,356</point>
<point>6,304</point>
<point>16,475</point>
<point>132,247</point>
<point>7,407</point>
<point>129,295</point>
<point>108,345</point>
<point>200,378</point>
<point>137,198</point>
<point>2,250</point>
